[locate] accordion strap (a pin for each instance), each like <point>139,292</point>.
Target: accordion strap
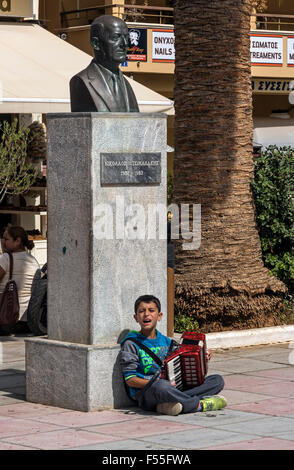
<point>149,352</point>
<point>10,264</point>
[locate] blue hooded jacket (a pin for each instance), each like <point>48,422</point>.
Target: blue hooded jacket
<point>136,362</point>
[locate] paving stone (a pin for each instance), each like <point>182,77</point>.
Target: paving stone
<point>58,440</point>
<point>234,397</point>
<point>247,365</point>
<point>282,373</point>
<point>16,391</point>
<point>214,369</point>
<point>80,419</point>
<point>141,427</point>
<point>267,426</point>
<point>12,380</point>
<point>257,351</point>
<point>8,398</point>
<point>256,416</point>
<point>279,358</point>
<point>274,389</point>
<point>12,356</point>
<point>287,435</point>
<point>17,366</point>
<point>213,418</point>
<point>271,406</point>
<point>245,382</point>
<point>264,443</point>
<point>197,438</point>
<point>15,427</point>
<point>4,372</point>
<point>221,356</point>
<point>25,409</point>
<point>128,444</point>
<point>6,446</point>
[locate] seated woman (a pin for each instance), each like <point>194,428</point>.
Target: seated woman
<point>15,240</point>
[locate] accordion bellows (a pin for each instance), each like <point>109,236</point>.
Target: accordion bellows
<point>187,366</point>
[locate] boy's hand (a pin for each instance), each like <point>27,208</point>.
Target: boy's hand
<point>208,354</point>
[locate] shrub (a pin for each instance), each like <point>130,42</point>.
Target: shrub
<point>184,322</point>
<point>17,174</point>
<point>273,189</point>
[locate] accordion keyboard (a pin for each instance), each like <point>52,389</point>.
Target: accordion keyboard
<point>174,372</point>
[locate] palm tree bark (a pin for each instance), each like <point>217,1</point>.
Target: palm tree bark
<point>224,283</point>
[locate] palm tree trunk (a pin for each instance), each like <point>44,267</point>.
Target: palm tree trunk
<point>223,283</point>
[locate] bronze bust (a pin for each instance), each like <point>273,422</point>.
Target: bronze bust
<point>101,86</point>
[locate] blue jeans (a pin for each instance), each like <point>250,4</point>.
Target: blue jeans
<point>161,391</point>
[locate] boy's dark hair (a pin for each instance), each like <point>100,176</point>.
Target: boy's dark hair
<point>147,299</point>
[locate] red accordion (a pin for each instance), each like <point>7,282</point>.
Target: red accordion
<point>187,366</point>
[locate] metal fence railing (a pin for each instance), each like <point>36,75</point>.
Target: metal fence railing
<point>162,15</point>
<point>128,12</point>
<point>273,22</point>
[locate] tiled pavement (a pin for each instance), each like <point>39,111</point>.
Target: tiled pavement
<point>259,416</point>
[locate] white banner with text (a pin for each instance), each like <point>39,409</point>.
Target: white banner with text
<point>163,45</point>
<point>266,50</point>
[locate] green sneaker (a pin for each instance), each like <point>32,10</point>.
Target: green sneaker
<point>213,403</point>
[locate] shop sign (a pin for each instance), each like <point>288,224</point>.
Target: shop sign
<point>16,8</point>
<point>267,85</point>
<point>266,49</point>
<point>290,51</point>
<point>137,47</point>
<point>163,45</point>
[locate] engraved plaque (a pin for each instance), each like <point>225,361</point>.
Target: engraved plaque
<point>130,168</point>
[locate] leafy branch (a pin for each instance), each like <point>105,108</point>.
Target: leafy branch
<point>17,174</point>
<point>273,189</point>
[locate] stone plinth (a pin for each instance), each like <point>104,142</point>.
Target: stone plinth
<point>104,250</point>
<point>74,376</point>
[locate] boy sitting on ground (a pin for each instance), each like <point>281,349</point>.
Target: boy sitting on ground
<point>141,372</point>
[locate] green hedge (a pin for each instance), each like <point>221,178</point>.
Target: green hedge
<point>273,189</point>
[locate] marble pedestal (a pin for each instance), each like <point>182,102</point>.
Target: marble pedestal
<point>101,256</point>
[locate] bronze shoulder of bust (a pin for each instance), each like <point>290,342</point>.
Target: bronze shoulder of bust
<point>103,88</point>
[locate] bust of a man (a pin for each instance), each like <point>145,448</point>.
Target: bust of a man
<point>101,86</point>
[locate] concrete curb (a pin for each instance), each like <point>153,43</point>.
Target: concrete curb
<point>256,336</point>
<point>253,337</point>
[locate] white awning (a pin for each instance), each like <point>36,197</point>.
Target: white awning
<point>37,67</point>
<point>274,131</point>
